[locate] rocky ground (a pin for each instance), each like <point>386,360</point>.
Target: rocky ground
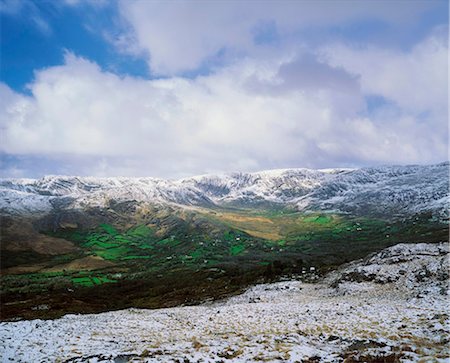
<point>389,307</point>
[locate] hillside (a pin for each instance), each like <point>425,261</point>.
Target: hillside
<point>389,307</point>
<point>77,244</point>
<point>383,191</point>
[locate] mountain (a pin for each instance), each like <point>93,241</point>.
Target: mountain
<point>387,191</point>
<point>85,244</point>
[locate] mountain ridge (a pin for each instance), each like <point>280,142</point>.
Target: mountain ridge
<point>387,189</point>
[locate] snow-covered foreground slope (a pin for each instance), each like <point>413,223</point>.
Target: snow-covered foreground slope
<point>385,190</point>
<point>393,304</point>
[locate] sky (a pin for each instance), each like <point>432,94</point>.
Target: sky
<point>178,88</point>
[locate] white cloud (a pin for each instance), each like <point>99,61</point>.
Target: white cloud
<point>11,7</point>
<point>287,111</point>
<point>29,10</point>
<point>93,3</point>
<point>179,36</point>
<point>416,80</point>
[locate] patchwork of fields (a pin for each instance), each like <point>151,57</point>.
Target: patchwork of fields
<point>203,254</point>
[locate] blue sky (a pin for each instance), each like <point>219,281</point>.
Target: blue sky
<point>188,87</point>
<point>28,45</point>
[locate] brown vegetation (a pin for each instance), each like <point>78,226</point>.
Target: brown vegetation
<point>88,263</point>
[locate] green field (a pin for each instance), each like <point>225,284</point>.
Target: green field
<point>161,258</point>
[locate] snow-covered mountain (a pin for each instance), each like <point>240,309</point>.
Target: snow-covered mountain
<point>393,190</point>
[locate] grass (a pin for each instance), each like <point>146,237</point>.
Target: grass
<point>237,249</point>
<point>140,231</point>
<point>197,254</point>
<point>239,242</point>
<point>320,219</point>
<point>83,281</point>
<point>107,242</point>
<point>132,257</point>
<point>275,225</point>
<point>168,242</point>
<point>113,253</point>
<point>108,229</point>
<point>283,228</point>
<point>44,281</point>
<point>90,281</point>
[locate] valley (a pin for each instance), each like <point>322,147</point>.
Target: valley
<point>204,255</point>
<point>74,245</point>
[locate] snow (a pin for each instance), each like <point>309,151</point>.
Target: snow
<point>20,201</point>
<point>393,190</point>
<point>285,321</point>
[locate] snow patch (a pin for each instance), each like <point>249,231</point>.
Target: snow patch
<point>286,321</point>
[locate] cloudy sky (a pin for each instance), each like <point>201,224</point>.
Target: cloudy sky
<point>177,88</point>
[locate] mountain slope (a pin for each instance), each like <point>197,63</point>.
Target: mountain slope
<point>390,307</point>
<point>94,244</point>
<point>388,191</point>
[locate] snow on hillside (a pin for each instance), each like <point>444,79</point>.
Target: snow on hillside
<point>393,190</point>
<point>392,305</point>
<point>399,189</point>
